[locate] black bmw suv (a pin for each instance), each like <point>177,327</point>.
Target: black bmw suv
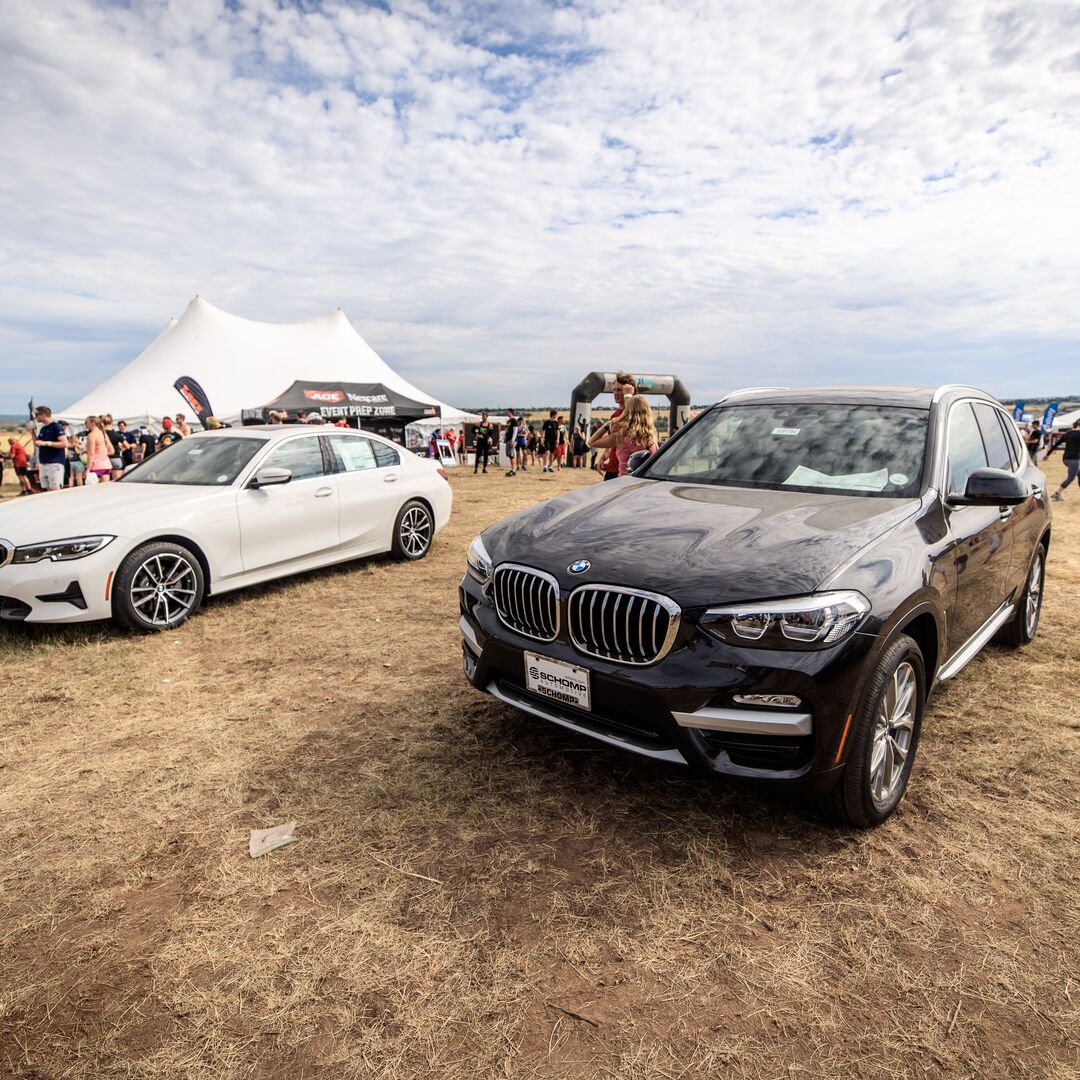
<point>775,593</point>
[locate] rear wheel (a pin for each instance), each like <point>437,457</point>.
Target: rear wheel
<point>413,531</point>
<point>884,739</point>
<point>1025,622</point>
<point>158,587</point>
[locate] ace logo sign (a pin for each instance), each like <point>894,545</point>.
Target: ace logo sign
<point>329,397</point>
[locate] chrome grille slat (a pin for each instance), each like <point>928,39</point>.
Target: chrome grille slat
<point>628,626</point>
<point>527,601</point>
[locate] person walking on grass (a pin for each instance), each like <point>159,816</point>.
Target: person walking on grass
<point>1069,443</point>
<point>483,433</point>
<point>633,431</point>
<point>52,444</point>
<point>21,464</point>
<point>549,431</point>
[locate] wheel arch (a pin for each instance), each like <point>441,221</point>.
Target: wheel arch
<point>183,541</point>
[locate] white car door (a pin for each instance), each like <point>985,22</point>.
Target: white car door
<point>290,523</point>
<point>369,491</point>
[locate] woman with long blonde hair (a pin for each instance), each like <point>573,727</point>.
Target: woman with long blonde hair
<point>632,431</point>
<point>97,451</point>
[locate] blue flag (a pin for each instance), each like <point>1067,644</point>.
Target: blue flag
<point>1018,412</point>
<point>1048,415</point>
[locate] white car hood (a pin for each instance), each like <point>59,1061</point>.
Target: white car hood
<point>100,508</point>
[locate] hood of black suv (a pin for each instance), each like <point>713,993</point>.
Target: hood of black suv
<point>696,543</point>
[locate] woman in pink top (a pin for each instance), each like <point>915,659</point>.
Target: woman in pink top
<point>97,450</point>
<point>632,431</point>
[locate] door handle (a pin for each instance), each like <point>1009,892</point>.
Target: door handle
<point>1005,512</point>
<point>390,479</point>
<point>321,493</point>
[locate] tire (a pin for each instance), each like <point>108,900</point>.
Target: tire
<point>1021,630</point>
<point>871,785</point>
<point>158,586</point>
<point>414,530</point>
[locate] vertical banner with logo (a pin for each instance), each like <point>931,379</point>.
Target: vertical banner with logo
<point>195,396</point>
<point>1049,414</point>
<point>1018,412</point>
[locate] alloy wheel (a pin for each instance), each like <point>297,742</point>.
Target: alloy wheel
<point>1033,597</point>
<point>893,732</point>
<point>415,531</point>
<point>163,589</point>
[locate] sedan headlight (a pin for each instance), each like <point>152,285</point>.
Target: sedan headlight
<point>806,622</point>
<point>77,547</point>
<point>479,561</point>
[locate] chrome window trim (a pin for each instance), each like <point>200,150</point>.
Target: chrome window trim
<point>544,576</point>
<point>751,390</point>
<point>674,613</point>
<point>941,467</point>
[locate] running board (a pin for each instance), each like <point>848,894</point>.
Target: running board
<point>970,649</point>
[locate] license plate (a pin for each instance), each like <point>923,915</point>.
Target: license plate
<point>557,680</point>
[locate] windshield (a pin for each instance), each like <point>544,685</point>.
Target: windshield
<point>214,460</point>
<point>856,449</point>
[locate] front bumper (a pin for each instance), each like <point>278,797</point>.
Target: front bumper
<point>59,592</point>
<point>682,709</point>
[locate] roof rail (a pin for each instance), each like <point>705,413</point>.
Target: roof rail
<point>751,390</point>
<point>941,391</point>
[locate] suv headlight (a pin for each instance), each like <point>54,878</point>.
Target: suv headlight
<point>77,547</point>
<point>805,622</point>
<point>479,561</point>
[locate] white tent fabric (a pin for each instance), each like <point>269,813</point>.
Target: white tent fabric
<point>240,364</point>
<point>1066,420</point>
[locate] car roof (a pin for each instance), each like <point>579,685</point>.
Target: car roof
<point>911,397</point>
<point>276,432</point>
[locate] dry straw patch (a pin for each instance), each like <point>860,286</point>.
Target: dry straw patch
<point>475,894</point>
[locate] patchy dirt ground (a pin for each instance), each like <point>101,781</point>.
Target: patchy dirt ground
<point>477,894</point>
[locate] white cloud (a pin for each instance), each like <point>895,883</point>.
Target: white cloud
<point>783,191</point>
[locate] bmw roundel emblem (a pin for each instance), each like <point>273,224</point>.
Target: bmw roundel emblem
<point>579,567</point>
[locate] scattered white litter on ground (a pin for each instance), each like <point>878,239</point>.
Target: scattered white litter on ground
<point>263,841</point>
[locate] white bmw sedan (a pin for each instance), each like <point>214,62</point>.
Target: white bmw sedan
<point>214,512</point>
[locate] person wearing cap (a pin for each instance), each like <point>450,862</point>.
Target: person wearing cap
<point>170,430</point>
<point>314,418</point>
<point>213,424</point>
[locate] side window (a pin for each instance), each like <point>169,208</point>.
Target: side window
<point>353,452</point>
<point>966,451</point>
<point>386,455</point>
<point>997,449</point>
<point>302,457</point>
<point>1012,437</point>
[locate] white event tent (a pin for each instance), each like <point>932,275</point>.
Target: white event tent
<point>241,364</point>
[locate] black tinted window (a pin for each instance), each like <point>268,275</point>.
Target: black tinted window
<point>966,451</point>
<point>385,455</point>
<point>852,449</point>
<point>997,449</point>
<point>302,457</point>
<point>1012,437</point>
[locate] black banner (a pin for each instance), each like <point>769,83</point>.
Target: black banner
<point>195,396</point>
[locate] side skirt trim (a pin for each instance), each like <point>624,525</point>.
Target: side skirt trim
<point>970,649</point>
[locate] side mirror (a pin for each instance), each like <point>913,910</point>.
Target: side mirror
<point>993,487</point>
<point>637,459</point>
<point>270,477</point>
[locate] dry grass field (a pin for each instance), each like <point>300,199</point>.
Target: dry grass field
<point>476,894</point>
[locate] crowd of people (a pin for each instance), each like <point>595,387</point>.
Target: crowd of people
<point>554,445</point>
<point>96,454</point>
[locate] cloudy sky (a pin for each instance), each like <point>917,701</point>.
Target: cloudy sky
<point>505,196</point>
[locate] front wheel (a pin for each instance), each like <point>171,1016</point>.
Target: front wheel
<point>413,531</point>
<point>884,739</point>
<point>157,587</point>
<point>1021,629</point>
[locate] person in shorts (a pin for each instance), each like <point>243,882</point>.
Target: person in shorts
<point>21,464</point>
<point>76,465</point>
<point>52,446</point>
<point>483,435</point>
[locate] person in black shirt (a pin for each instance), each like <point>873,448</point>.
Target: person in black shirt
<point>549,431</point>
<point>126,444</point>
<point>484,433</point>
<point>1033,440</point>
<point>1070,451</point>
